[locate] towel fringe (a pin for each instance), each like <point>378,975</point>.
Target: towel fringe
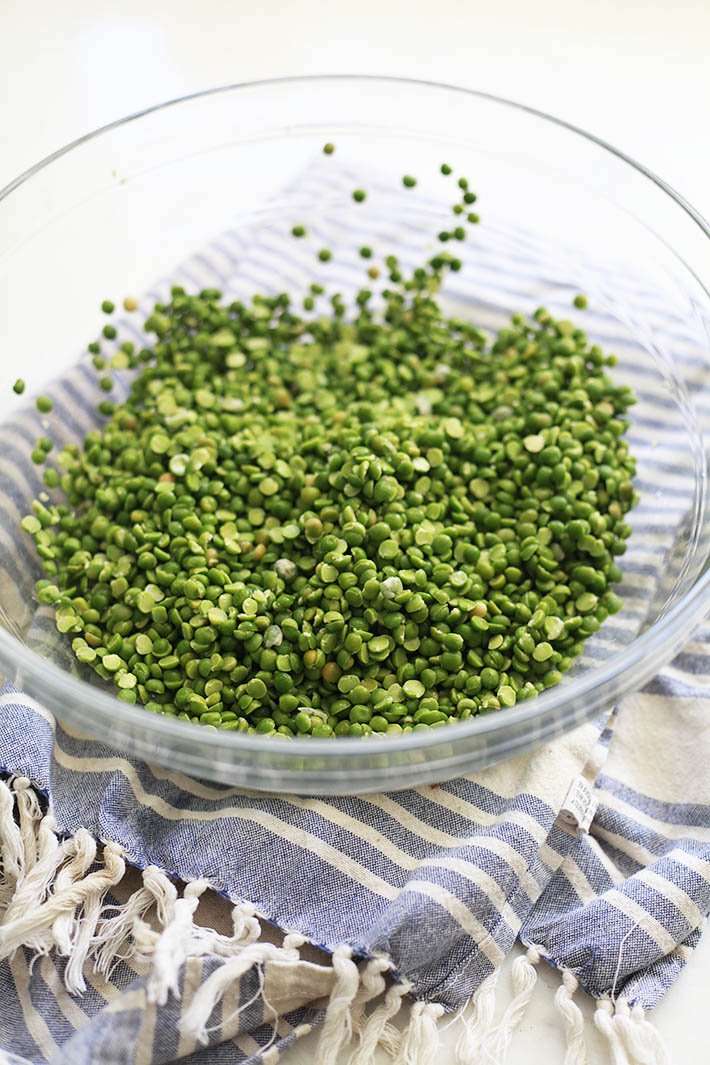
<point>54,896</point>
<point>212,991</point>
<point>114,939</point>
<point>377,1031</point>
<point>572,1020</point>
<point>337,1028</point>
<point>632,1039</point>
<point>12,849</point>
<point>373,983</point>
<point>496,1043</point>
<point>604,1018</point>
<point>479,1023</point>
<point>421,1038</point>
<point>642,1037</point>
<point>174,945</point>
<point>51,893</point>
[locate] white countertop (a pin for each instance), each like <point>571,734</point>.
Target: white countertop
<point>634,72</point>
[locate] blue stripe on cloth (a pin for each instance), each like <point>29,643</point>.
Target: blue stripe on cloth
<point>348,889</point>
<point>146,813</point>
<point>682,814</point>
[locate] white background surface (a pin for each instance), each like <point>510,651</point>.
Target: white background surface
<point>635,72</point>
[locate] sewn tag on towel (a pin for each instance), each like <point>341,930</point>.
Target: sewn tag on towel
<point>579,807</point>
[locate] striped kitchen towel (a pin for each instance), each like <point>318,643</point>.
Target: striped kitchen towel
<point>106,955</point>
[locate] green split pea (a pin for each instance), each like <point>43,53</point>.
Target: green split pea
<point>360,523</point>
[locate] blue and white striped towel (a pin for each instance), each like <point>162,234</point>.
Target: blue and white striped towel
<point>422,892</point>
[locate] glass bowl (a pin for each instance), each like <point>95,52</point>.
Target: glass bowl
<point>207,187</point>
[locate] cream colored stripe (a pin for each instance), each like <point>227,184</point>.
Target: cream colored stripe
<point>673,893</point>
<point>301,838</point>
<point>247,1045</point>
<point>230,1007</point>
<point>615,874</point>
<point>482,880</point>
<point>464,808</point>
<point>578,880</point>
<point>681,673</point>
<point>664,828</point>
<point>371,835</point>
<point>444,839</point>
<point>460,912</point>
<point>146,1035</point>
<point>192,978</point>
<point>698,865</point>
<point>696,647</point>
<point>76,1016</point>
<point>664,940</point>
<point>34,1022</point>
<point>109,992</point>
<point>640,854</point>
<point>128,1000</point>
<point>684,951</point>
<point>8,700</point>
<point>454,803</point>
<point>530,886</point>
<point>550,857</point>
<point>526,822</point>
<point>198,787</point>
<point>501,849</point>
<point>645,857</point>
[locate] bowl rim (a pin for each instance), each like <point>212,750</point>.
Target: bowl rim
<point>658,636</point>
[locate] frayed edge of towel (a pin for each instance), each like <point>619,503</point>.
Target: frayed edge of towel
<point>630,1038</point>
<point>54,897</point>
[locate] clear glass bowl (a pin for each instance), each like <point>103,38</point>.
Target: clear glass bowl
<point>115,214</point>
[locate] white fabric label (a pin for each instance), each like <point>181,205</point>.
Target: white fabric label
<point>580,806</point>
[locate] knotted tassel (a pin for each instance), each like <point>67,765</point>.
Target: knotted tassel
<point>421,1039</point>
<point>604,1020</point>
<point>338,1024</point>
<point>638,1035</point>
<point>378,1029</point>
<point>524,973</point>
<point>572,1019</point>
<point>477,1026</point>
<point>173,946</point>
